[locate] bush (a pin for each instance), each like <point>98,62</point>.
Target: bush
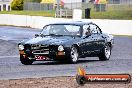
<point>17,4</point>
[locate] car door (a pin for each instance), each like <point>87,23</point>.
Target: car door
<point>86,42</point>
<point>96,37</point>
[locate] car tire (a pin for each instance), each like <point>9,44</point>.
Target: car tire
<point>105,53</point>
<point>26,61</point>
<point>74,55</point>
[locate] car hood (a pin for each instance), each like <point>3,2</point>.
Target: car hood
<point>50,40</point>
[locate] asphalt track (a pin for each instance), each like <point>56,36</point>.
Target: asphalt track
<point>11,68</point>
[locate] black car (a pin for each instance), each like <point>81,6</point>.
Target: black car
<point>67,42</point>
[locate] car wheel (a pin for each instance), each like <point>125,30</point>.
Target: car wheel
<point>105,54</point>
<point>26,61</point>
<point>74,55</point>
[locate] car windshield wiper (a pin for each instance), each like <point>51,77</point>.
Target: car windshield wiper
<point>42,35</point>
<point>52,34</point>
<point>55,35</point>
<point>73,35</point>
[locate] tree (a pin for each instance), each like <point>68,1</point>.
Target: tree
<point>17,4</point>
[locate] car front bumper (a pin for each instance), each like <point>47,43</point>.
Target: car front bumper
<point>52,55</point>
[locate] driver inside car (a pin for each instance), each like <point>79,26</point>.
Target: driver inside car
<point>87,32</point>
<point>59,30</point>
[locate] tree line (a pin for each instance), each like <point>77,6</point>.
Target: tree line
<point>18,4</point>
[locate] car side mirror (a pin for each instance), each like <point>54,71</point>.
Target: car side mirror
<point>36,35</point>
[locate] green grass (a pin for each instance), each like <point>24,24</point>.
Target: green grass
<point>15,26</point>
<point>130,36</point>
<point>112,15</point>
<point>113,12</point>
<point>123,12</point>
<point>31,13</point>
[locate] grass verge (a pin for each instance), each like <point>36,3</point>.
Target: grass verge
<point>122,12</point>
<point>50,13</point>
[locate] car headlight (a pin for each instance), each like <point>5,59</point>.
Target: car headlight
<point>60,48</point>
<point>21,47</point>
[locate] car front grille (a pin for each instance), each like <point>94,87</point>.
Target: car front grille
<point>40,49</point>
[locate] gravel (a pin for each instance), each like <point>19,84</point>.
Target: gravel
<point>55,82</point>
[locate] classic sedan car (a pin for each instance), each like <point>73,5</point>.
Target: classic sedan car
<point>67,42</point>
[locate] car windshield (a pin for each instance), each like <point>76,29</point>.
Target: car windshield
<point>60,29</point>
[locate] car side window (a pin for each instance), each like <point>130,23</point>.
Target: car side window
<point>94,29</point>
<point>86,30</point>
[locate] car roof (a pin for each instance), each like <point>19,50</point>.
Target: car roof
<point>80,23</point>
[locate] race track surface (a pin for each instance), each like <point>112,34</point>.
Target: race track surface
<point>11,67</point>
